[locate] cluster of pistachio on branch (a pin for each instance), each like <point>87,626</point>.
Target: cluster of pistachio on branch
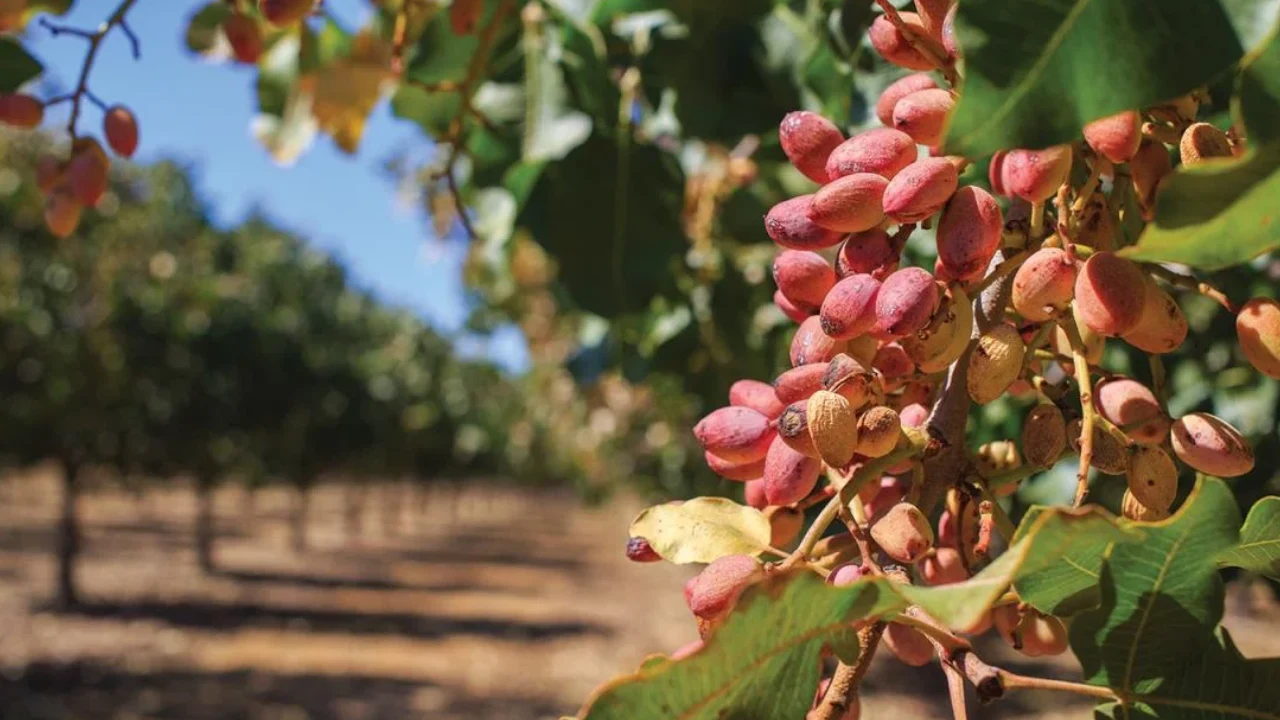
<point>79,179</point>
<point>1019,302</point>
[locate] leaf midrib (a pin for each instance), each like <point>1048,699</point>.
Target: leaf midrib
<point>1156,700</point>
<point>1152,594</point>
<point>764,657</point>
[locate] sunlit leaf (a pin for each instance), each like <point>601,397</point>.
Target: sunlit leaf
<point>1070,584</point>
<point>1223,212</point>
<point>1035,71</point>
<point>1214,683</point>
<point>1162,597</point>
<point>763,662</point>
<point>346,90</point>
<point>1259,548</point>
<point>205,27</point>
<point>702,529</point>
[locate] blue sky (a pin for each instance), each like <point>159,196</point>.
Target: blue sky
<point>200,112</point>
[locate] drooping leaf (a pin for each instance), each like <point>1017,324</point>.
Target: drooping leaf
<point>1214,683</point>
<point>17,67</point>
<point>1162,597</point>
<point>1070,585</point>
<point>1259,548</point>
<point>1222,213</point>
<point>1043,542</point>
<point>1037,70</point>
<point>205,26</point>
<point>762,663</point>
<point>346,90</point>
<point>702,529</point>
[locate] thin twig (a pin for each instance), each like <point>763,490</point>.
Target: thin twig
<point>1003,524</point>
<point>95,38</point>
<point>1037,220</point>
<point>955,690</point>
<point>1158,380</point>
<point>908,447</point>
<point>1068,325</point>
<point>465,90</point>
<point>1006,266</point>
<point>1189,283</point>
<point>1014,681</point>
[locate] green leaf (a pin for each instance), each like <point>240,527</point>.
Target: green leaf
<point>1071,584</point>
<point>762,663</point>
<point>1259,548</point>
<point>1215,214</point>
<point>1215,683</point>
<point>1258,97</point>
<point>17,67</point>
<point>1043,542</point>
<point>1223,213</point>
<point>433,111</point>
<point>205,26</point>
<point>53,7</point>
<point>1037,70</point>
<point>441,55</point>
<point>610,213</point>
<point>1162,597</point>
<point>702,530</point>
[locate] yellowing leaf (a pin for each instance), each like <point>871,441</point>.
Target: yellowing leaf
<point>346,91</point>
<point>702,529</point>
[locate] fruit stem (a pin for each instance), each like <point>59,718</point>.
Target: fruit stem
<point>1158,380</point>
<point>1014,681</point>
<point>1037,221</point>
<point>1043,354</point>
<point>1003,524</point>
<point>907,447</point>
<point>1068,325</point>
<point>1006,266</point>
<point>923,45</point>
<point>1189,283</point>
<point>1086,191</point>
<point>1119,433</point>
<point>955,691</point>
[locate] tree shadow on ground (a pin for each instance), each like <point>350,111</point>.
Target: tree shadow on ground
<point>233,616</point>
<point>254,577</point>
<point>87,691</point>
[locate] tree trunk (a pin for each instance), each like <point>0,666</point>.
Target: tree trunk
<point>300,519</point>
<point>249,504</point>
<point>390,511</point>
<point>353,512</point>
<point>68,538</point>
<point>205,524</point>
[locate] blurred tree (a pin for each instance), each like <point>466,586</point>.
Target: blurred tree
<point>153,345</point>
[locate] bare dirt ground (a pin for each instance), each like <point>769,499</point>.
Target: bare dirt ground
<point>486,603</point>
